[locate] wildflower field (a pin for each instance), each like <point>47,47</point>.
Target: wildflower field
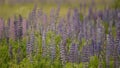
<point>59,34</point>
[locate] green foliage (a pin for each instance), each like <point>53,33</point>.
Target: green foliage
<point>111,64</point>
<point>94,62</point>
<point>80,65</point>
<point>106,27</point>
<point>49,37</point>
<point>69,65</point>
<point>81,17</point>
<point>74,65</point>
<point>103,64</point>
<point>83,43</point>
<point>4,57</point>
<point>57,39</point>
<point>116,4</point>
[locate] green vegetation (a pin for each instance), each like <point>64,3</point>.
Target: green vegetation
<point>8,10</point>
<point>116,4</point>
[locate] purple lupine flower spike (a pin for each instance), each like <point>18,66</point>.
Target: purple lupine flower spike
<point>117,42</point>
<point>19,55</point>
<point>73,53</point>
<point>108,51</point>
<point>20,28</point>
<point>30,46</point>
<point>52,20</point>
<point>7,31</point>
<point>1,28</point>
<point>10,51</point>
<point>12,28</point>
<point>24,28</point>
<point>53,51</point>
<point>85,54</point>
<point>63,53</point>
<point>16,29</point>
<point>44,48</point>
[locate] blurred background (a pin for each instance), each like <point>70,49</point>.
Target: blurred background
<point>12,7</point>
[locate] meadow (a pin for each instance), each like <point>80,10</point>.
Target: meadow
<point>49,35</point>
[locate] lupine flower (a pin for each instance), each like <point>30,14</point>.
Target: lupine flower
<point>56,18</point>
<point>34,13</point>
<point>40,13</point>
<point>73,57</point>
<point>95,17</point>
<point>36,48</point>
<point>106,15</point>
<point>85,28</point>
<point>118,15</point>
<point>19,55</point>
<point>116,62</point>
<point>93,38</point>
<point>1,28</point>
<point>110,39</point>
<point>68,23</point>
<point>30,46</point>
<point>20,28</point>
<point>32,17</point>
<point>52,20</point>
<point>16,29</point>
<point>90,14</point>
<point>85,54</point>
<point>7,31</point>
<point>100,15</point>
<point>68,15</point>
<point>32,39</point>
<point>4,30</point>
<point>117,42</point>
<point>108,51</point>
<point>53,51</point>
<point>44,48</point>
<point>118,29</point>
<point>44,23</point>
<point>39,20</point>
<point>63,53</point>
<point>99,34</point>
<point>61,29</point>
<point>92,47</point>
<point>57,12</point>
<point>24,27</point>
<point>76,22</point>
<point>12,28</point>
<point>10,51</point>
